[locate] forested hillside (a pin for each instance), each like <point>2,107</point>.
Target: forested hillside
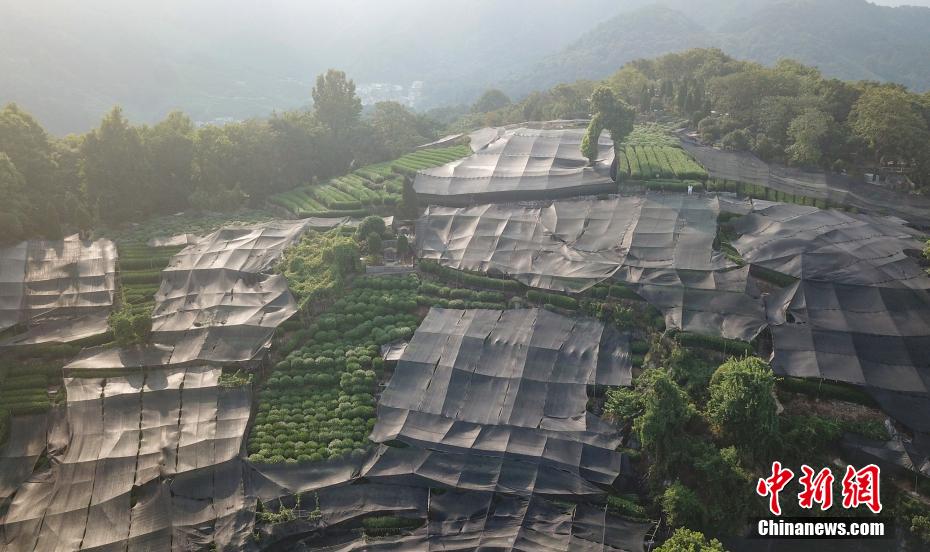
<point>152,58</point>
<point>120,173</point>
<point>848,39</point>
<point>790,113</point>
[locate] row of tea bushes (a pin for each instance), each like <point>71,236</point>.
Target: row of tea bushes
<point>318,404</point>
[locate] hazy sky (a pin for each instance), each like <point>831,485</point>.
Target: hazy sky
<point>925,3</point>
<point>69,62</point>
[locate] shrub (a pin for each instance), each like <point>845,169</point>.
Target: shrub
<point>469,279</point>
<point>318,403</point>
<point>4,426</point>
<point>380,526</point>
<point>626,505</point>
<point>838,391</point>
<point>561,301</point>
<point>686,540</point>
<point>130,326</point>
<point>742,404</point>
<point>622,292</point>
<point>682,506</point>
<point>726,346</point>
<point>368,226</point>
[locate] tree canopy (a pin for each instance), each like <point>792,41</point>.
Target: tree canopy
<point>666,411</point>
<point>742,403</point>
<point>335,103</point>
<point>398,129</point>
<point>686,540</point>
<point>785,113</point>
<point>120,172</point>
<point>13,209</point>
<point>892,121</point>
<point>115,168</point>
<point>608,112</point>
<point>491,100</point>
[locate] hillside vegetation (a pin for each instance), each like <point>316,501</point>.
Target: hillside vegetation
<point>789,113</point>
<point>120,173</point>
<point>847,39</point>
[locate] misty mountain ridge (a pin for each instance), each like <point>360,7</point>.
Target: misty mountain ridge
<point>848,39</point>
<point>233,60</point>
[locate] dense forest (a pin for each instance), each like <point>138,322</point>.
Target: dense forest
<point>119,172</point>
<point>264,57</point>
<point>846,39</point>
<point>788,113</point>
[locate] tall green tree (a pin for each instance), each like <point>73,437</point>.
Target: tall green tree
<point>169,150</point>
<point>491,100</point>
<point>808,133</point>
<point>115,169</point>
<point>666,411</point>
<point>69,182</point>
<point>409,208</point>
<point>302,150</point>
<point>29,148</point>
<point>742,406</point>
<point>254,162</point>
<point>13,209</point>
<point>398,129</point>
<point>403,247</point>
<point>610,113</point>
<point>686,540</point>
<point>217,184</point>
<point>891,122</point>
<point>335,103</point>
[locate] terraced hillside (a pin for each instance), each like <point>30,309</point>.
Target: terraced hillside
<point>140,274</point>
<point>368,190</point>
<point>645,162</point>
<point>651,157</point>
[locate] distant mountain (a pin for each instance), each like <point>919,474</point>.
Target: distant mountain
<point>643,33</point>
<point>219,59</point>
<point>850,39</point>
<point>238,58</point>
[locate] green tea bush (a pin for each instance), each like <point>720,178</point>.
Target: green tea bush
<point>713,343</point>
<point>561,301</point>
<point>469,279</point>
<point>382,526</point>
<point>318,403</point>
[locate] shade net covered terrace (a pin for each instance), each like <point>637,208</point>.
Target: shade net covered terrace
<point>873,336</point>
<point>570,245</point>
<point>661,245</point>
<point>490,407</point>
<point>520,164</point>
<point>59,290</point>
<point>218,300</point>
<point>860,310</point>
<point>496,401</point>
<point>831,246</point>
<point>837,189</point>
<point>148,452</point>
<point>460,520</point>
<point>851,303</point>
<point>148,461</point>
<point>727,303</point>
